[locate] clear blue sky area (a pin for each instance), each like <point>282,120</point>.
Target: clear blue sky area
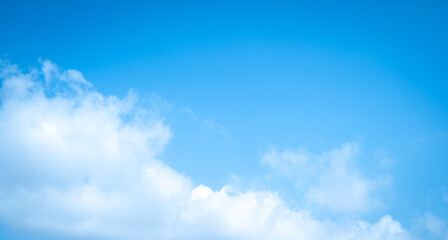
<point>234,79</point>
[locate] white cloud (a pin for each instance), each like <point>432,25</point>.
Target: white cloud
<point>444,194</point>
<point>77,163</point>
<point>330,180</point>
<point>432,224</point>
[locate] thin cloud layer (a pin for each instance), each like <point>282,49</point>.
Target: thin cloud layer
<point>434,226</point>
<point>77,163</point>
<point>329,180</point>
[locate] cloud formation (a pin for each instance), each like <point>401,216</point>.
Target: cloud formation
<point>77,163</point>
<point>329,180</point>
<point>434,226</point>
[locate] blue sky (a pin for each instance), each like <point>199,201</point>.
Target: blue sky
<point>303,100</point>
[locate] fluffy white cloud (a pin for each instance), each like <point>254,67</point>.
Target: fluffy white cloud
<point>330,180</point>
<point>77,163</point>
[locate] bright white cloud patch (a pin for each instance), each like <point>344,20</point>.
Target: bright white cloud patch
<point>80,164</point>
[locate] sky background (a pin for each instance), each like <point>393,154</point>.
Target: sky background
<point>238,83</point>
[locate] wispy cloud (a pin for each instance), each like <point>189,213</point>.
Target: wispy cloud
<point>330,180</point>
<point>209,123</point>
<point>433,225</point>
<point>77,163</point>
<point>445,194</point>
